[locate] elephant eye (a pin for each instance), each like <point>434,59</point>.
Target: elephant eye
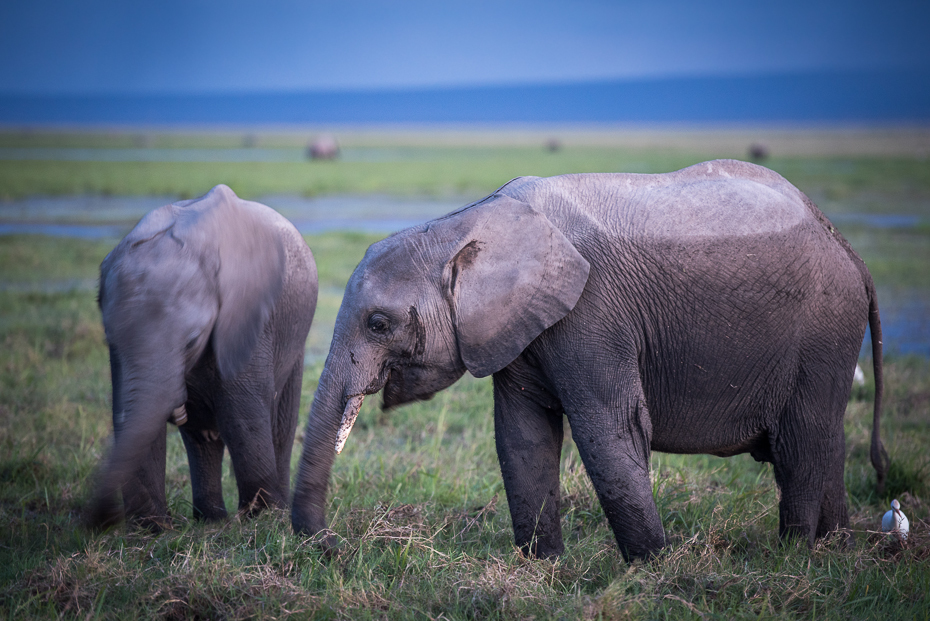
<point>378,323</point>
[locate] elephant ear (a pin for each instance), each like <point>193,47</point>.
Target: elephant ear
<point>513,275</point>
<point>250,263</point>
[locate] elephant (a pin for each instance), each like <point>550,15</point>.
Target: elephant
<point>713,310</point>
<point>323,148</point>
<point>206,306</point>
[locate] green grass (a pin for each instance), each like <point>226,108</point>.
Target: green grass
<point>443,172</point>
<point>417,495</point>
<point>840,172</point>
<point>897,258</point>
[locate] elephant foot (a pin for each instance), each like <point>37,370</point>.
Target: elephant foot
<point>841,538</point>
<point>154,525</point>
<point>259,502</point>
<point>542,549</point>
<point>644,555</point>
<point>103,513</point>
<point>214,514</point>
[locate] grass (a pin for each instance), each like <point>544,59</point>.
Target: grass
<point>832,166</point>
<point>458,171</point>
<point>417,495</point>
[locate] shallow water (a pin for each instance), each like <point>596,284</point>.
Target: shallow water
<point>150,154</point>
<point>876,221</point>
<point>905,325</point>
<point>98,217</point>
<point>82,231</point>
<point>243,154</point>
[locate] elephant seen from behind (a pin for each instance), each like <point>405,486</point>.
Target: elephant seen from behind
<point>709,310</point>
<point>206,306</point>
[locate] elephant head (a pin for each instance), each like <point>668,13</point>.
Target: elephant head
<point>194,277</point>
<point>468,291</point>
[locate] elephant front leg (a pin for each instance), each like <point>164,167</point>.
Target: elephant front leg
<point>528,436</point>
<point>205,456</point>
<point>284,424</point>
<point>614,444</point>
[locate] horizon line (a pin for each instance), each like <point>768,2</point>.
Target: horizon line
<point>468,86</point>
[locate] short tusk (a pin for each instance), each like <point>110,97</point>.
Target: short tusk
<point>178,416</point>
<point>348,419</point>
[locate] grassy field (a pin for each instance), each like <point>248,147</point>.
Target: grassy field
<point>417,494</point>
<point>833,166</point>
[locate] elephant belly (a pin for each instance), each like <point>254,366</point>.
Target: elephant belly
<point>757,444</point>
<point>200,417</point>
<point>202,385</point>
<point>720,399</point>
<point>722,431</point>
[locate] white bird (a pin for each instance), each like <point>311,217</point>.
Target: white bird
<point>858,376</point>
<point>895,522</point>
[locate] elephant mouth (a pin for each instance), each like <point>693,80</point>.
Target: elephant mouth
<point>397,392</point>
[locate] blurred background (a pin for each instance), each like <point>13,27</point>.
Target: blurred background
<point>373,61</point>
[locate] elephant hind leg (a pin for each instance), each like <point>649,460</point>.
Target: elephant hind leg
<point>808,461</point>
<point>834,513</point>
<point>205,455</point>
<point>243,416</point>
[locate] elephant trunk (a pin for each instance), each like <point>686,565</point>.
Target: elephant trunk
<point>324,426</point>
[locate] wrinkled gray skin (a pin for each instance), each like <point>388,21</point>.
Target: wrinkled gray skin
<point>710,310</point>
<point>206,305</point>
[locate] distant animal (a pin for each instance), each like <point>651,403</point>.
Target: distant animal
<point>323,148</point>
<point>206,305</point>
<point>709,310</point>
<point>758,152</point>
<point>895,522</point>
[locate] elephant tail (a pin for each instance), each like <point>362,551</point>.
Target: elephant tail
<point>880,460</point>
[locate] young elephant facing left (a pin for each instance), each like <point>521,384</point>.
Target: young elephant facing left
<point>206,305</point>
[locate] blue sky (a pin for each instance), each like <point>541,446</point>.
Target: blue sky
<point>144,46</point>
